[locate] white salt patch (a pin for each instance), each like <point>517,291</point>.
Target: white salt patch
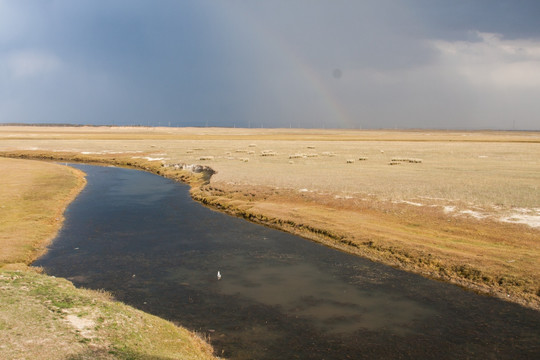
<point>409,203</point>
<point>530,220</point>
<point>474,214</point>
<point>148,158</point>
<point>107,152</point>
<point>530,217</point>
<point>449,209</point>
<point>343,197</point>
<point>432,198</point>
<point>117,152</point>
<point>533,211</point>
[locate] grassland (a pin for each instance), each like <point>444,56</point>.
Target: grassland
<point>42,317</point>
<point>29,191</point>
<point>467,212</point>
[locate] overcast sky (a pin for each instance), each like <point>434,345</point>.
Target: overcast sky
<point>452,64</point>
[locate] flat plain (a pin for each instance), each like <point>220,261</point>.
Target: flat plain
<point>462,207</point>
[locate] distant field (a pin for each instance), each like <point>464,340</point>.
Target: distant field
<point>495,172</point>
<point>461,206</point>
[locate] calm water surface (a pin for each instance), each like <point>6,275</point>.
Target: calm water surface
<point>141,237</point>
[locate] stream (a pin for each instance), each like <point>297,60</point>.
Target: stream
<point>142,237</point>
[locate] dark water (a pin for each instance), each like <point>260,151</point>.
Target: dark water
<point>141,237</point>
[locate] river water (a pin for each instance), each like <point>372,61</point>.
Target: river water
<point>144,239</point>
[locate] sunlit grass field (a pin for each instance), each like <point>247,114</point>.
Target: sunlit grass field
<point>459,206</point>
<point>34,195</point>
<point>492,170</point>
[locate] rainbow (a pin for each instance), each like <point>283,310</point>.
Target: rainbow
<point>336,114</point>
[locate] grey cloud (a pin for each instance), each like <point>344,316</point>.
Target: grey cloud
<point>266,64</point>
<point>453,20</point>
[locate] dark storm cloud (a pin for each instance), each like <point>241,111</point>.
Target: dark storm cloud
<point>116,62</point>
<point>453,19</point>
<point>414,63</point>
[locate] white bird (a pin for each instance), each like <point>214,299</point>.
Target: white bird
<point>218,275</point>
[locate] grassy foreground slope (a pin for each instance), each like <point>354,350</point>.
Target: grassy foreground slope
<point>43,317</point>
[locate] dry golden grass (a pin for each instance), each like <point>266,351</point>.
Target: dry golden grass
<point>34,195</point>
<point>484,169</point>
<point>441,217</point>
